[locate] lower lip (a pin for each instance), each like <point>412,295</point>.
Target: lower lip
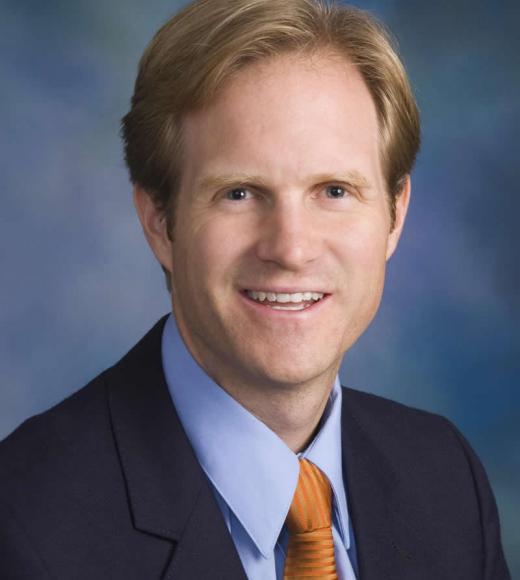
<point>268,311</point>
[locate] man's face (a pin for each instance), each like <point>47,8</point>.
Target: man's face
<point>282,194</point>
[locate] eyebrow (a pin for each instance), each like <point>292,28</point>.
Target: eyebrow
<point>216,182</point>
<point>213,182</point>
<point>353,177</point>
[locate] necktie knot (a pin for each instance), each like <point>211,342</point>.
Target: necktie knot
<point>310,552</point>
<point>311,506</point>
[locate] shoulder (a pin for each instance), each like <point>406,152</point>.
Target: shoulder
<point>427,467</point>
<point>62,471</point>
<point>408,435</point>
<point>80,421</point>
<point>68,443</point>
<point>44,470</point>
<point>385,417</point>
<point>413,441</point>
<point>52,468</point>
<point>39,447</point>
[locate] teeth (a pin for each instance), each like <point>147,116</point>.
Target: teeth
<point>283,298</point>
<point>292,307</point>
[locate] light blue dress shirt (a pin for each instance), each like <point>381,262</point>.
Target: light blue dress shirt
<point>253,472</point>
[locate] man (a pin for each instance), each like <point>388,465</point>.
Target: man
<point>270,143</point>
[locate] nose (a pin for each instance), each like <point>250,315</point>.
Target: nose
<point>289,235</point>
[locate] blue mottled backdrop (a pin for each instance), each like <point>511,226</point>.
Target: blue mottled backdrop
<point>79,285</point>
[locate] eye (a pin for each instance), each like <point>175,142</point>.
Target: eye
<point>238,194</point>
<point>336,191</point>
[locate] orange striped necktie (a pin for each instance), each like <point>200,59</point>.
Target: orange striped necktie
<point>310,553</point>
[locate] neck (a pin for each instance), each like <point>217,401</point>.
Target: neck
<point>293,414</point>
<point>292,411</point>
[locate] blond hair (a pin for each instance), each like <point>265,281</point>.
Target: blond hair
<point>198,49</point>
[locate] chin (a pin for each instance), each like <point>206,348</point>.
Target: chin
<point>283,375</point>
<point>286,362</point>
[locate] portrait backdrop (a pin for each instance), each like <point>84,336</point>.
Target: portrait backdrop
<point>80,286</point>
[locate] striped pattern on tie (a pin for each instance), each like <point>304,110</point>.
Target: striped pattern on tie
<point>310,553</point>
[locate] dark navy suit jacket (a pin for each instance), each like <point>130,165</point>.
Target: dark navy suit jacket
<point>106,486</point>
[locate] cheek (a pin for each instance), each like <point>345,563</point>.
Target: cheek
<point>210,250</point>
<point>363,245</point>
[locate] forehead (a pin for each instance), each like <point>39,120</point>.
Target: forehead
<point>299,109</point>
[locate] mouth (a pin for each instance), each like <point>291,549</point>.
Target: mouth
<point>285,301</point>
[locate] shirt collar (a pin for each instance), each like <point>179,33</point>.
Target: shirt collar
<point>249,465</point>
<point>325,452</point>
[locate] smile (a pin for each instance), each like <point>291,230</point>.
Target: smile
<point>285,301</point>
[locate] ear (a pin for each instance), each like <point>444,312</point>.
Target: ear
<point>154,226</point>
<point>401,207</point>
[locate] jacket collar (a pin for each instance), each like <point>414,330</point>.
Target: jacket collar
<point>168,493</point>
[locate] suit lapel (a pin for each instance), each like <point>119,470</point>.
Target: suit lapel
<point>387,546</point>
<point>169,494</point>
<point>205,549</point>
